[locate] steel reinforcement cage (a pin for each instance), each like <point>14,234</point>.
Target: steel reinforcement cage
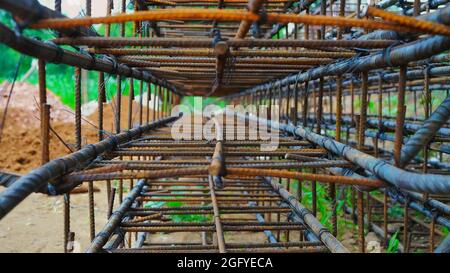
<point>363,98</point>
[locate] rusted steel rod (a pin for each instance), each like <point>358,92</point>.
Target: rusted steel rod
<point>263,165</point>
<point>432,4</point>
<point>228,245</point>
<point>225,2</point>
<point>407,21</point>
<point>254,250</point>
<point>319,230</point>
<point>217,167</point>
<point>125,152</point>
<point>228,143</point>
<point>207,43</point>
<point>418,207</point>
<point>75,179</point>
<point>114,221</point>
<point>439,16</point>
<point>118,163</point>
<point>210,53</point>
<point>253,6</point>
<point>190,60</point>
<point>232,15</point>
<point>217,221</point>
<point>306,176</point>
<point>426,132</point>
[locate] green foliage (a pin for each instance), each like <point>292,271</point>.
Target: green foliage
<point>178,217</point>
<point>395,211</point>
<point>393,244</point>
<point>151,204</point>
<point>371,106</point>
<point>323,203</point>
<point>187,217</point>
<point>198,104</point>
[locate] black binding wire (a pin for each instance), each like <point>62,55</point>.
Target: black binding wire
<point>59,52</point>
<point>5,112</point>
<point>114,63</point>
<point>92,63</point>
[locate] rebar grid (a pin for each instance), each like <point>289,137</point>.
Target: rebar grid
<point>364,110</point>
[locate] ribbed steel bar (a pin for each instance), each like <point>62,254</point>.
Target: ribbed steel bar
<point>210,52</point>
<point>324,235</point>
<point>114,221</point>
<point>426,132</point>
<point>207,43</point>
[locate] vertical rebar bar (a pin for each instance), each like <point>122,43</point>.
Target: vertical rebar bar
<point>141,93</point>
<point>400,119</point>
<point>130,104</point>
<point>44,113</point>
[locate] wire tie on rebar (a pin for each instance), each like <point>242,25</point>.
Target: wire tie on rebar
<point>129,134</point>
<point>63,162</point>
<point>143,73</point>
<point>322,231</point>
<point>114,63</point>
<point>404,6</point>
<point>217,37</point>
<point>18,27</point>
<point>59,52</point>
<point>290,216</point>
<point>434,213</point>
<point>377,166</point>
<point>427,204</point>
<point>130,71</point>
<point>256,31</point>
<point>262,17</point>
<point>386,53</point>
<point>362,51</point>
<point>115,141</point>
<point>92,63</point>
<point>303,213</point>
<point>51,189</point>
<point>93,147</point>
<point>102,233</point>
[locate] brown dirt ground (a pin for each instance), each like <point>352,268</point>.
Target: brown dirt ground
<point>23,230</point>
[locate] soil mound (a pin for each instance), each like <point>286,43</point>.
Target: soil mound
<point>20,143</point>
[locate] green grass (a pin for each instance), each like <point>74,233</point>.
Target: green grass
<point>187,217</point>
<point>179,217</point>
<point>393,244</point>
<point>323,203</point>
